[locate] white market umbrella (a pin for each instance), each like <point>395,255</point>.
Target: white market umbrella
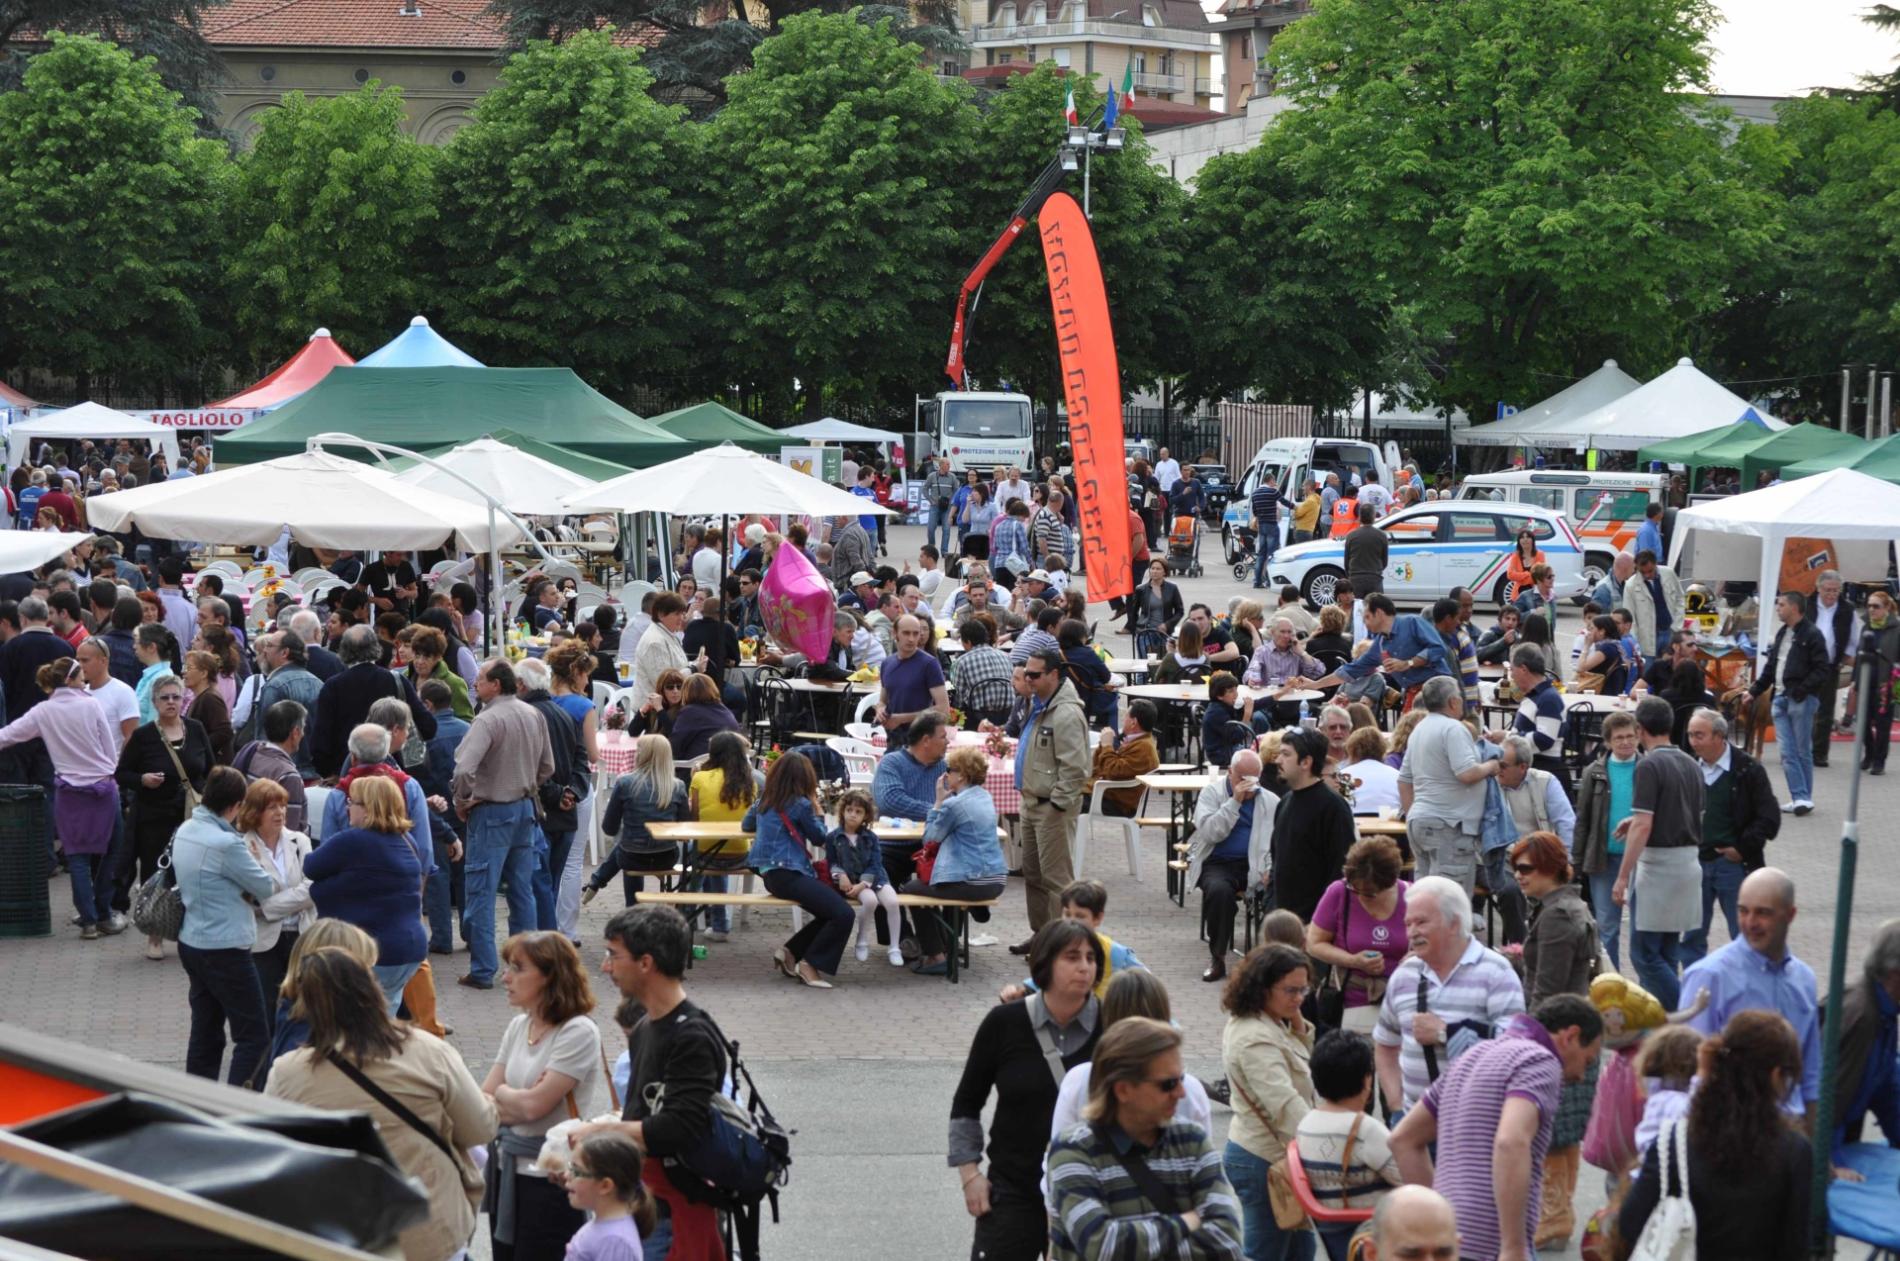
<point>521,483</point>
<point>21,550</point>
<point>1742,535</point>
<point>832,429</point>
<point>724,481</point>
<point>324,501</point>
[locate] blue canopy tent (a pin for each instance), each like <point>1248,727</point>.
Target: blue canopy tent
<point>419,346</point>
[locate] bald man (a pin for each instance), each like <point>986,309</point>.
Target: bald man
<point>911,681</point>
<point>1759,971</point>
<point>1413,1224</point>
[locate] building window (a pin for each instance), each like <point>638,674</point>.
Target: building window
<point>1061,57</point>
<point>361,75</point>
<point>1149,16</point>
<point>1006,16</point>
<point>1003,59</point>
<point>267,73</point>
<point>458,77</point>
<point>1037,14</point>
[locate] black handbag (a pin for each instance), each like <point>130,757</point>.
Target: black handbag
<point>1329,999</point>
<point>326,1175</point>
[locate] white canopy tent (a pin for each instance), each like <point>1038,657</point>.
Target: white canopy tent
<point>831,429</point>
<point>324,501</point>
<point>1400,411</point>
<point>522,483</point>
<point>21,550</point>
<point>88,420</point>
<point>1680,402</point>
<point>1579,398</point>
<point>723,481</point>
<point>1742,534</point>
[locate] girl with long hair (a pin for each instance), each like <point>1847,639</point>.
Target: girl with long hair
<point>604,1181</point>
<point>649,793</point>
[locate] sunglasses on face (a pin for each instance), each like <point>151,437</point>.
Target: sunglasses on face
<point>1033,675</point>
<point>1166,1085</point>
<point>170,699</point>
<point>1523,869</point>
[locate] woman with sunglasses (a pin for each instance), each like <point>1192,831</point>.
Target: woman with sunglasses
<point>1560,953</point>
<point>84,747</point>
<point>1525,556</point>
<point>1266,1050</point>
<point>159,760</point>
<point>157,651</point>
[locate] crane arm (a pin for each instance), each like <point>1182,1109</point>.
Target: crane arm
<point>970,292</point>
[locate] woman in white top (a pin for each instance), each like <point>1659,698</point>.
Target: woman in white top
<point>1131,992</point>
<point>546,1069</point>
<point>120,701</point>
<point>289,909</point>
<point>1376,784</point>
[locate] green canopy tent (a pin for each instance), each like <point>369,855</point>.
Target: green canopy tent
<point>1720,447</point>
<point>1685,450</point>
<point>1797,443</point>
<point>425,408</point>
<point>710,423</point>
<point>1877,459</point>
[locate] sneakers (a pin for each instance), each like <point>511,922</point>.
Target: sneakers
<point>89,932</point>
<point>1802,809</point>
<point>472,983</point>
<point>1787,807</point>
<point>154,948</point>
<point>896,958</point>
<point>863,952</point>
<point>113,926</point>
<point>716,934</point>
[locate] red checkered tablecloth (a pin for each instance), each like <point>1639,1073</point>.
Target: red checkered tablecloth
<point>1001,780</point>
<point>616,754</point>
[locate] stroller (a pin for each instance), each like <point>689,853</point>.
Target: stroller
<point>1240,552</point>
<point>1184,546</point>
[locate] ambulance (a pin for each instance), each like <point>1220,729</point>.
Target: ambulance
<point>1289,462</point>
<point>1604,508</point>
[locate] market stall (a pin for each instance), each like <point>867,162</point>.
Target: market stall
<point>88,420</point>
<point>710,423</point>
<point>312,362</point>
<point>419,346</point>
<point>1680,402</point>
<point>1579,398</point>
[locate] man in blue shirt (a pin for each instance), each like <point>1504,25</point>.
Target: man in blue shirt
<point>1758,971</point>
<point>1265,507</point>
<point>912,681</point>
<point>1649,534</point>
<point>442,894</point>
<point>1406,650</point>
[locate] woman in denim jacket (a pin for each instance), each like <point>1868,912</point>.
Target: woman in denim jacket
<point>970,865</point>
<point>785,820</point>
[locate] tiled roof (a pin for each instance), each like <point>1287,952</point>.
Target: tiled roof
<point>354,24</point>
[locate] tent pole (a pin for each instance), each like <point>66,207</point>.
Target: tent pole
<point>494,585</point>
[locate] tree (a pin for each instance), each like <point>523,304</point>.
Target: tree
<point>1885,85</point>
<point>563,208</point>
<point>168,30</point>
<point>701,45</point>
<point>108,218</point>
<point>837,165</point>
<point>1530,183</point>
<point>329,211</point>
<point>1137,215</point>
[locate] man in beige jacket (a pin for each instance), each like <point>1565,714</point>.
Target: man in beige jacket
<point>1052,772</point>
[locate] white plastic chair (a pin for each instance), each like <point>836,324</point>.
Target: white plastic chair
<point>311,574</point>
<point>860,731</point>
<point>868,705</point>
<point>314,799</point>
<point>859,757</point>
<point>228,568</point>
<point>1131,831</point>
<point>603,693</point>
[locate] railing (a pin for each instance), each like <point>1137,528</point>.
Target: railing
<point>1203,87</point>
<point>1160,83</point>
<point>1128,32</point>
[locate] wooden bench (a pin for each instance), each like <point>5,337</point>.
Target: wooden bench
<point>954,912</point>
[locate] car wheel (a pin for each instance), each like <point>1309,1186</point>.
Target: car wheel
<point>1317,589</point>
<point>1500,592</point>
<point>1596,567</point>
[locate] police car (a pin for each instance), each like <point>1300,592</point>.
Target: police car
<point>1434,547</point>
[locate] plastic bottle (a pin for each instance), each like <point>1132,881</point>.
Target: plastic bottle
<point>1306,715</point>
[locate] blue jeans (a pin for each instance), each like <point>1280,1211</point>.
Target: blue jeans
<point>1266,539</point>
<point>1657,958</point>
<point>1721,882</point>
<point>500,842</point>
<point>392,978</point>
<point>550,859</point>
<point>437,905</point>
<point>937,529</point>
<point>1609,914</point>
<point>1794,732</point>
<point>92,887</point>
<point>224,988</point>
<point>1261,1237</point>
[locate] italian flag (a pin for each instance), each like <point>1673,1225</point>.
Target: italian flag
<point>1069,115</point>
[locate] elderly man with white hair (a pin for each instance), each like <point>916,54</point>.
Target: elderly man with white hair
<point>1229,849</point>
<point>1451,994</point>
<point>1608,594</point>
<point>319,660</point>
<point>1441,786</point>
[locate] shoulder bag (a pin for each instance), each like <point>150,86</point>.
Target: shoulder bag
<point>1288,1212</point>
<point>1431,1051</point>
<point>1329,1000</point>
<point>471,1180</point>
<point>1156,1191</point>
<point>158,909</point>
<point>191,794</point>
<point>1670,1232</point>
<point>1345,1162</point>
<point>1051,1054</point>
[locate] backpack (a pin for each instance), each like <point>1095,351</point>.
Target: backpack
<point>1669,1234</point>
<point>745,1156</point>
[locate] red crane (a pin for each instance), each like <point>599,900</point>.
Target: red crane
<point>971,292</point>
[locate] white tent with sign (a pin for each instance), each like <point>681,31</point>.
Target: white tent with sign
<point>1579,398</point>
<point>1842,519</point>
<point>87,420</point>
<point>324,501</point>
<point>1682,401</point>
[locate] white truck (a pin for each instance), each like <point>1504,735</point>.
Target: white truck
<point>978,429</point>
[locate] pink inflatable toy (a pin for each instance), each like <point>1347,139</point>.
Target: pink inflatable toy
<point>796,604</point>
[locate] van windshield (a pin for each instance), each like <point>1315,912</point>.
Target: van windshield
<point>985,418</point>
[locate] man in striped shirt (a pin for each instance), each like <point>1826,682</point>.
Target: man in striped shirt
<point>1452,994</point>
<point>1264,505</point>
<point>1133,1180</point>
<point>1540,715</point>
<point>1492,1115</point>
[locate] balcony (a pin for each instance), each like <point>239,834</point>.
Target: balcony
<point>1154,84</point>
<point>997,35</point>
<point>1203,87</point>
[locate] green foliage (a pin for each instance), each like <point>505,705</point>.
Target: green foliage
<point>563,209</point>
<point>1530,182</point>
<point>837,163</point>
<point>108,218</point>
<point>1136,212</point>
<point>328,212</point>
<point>167,30</point>
<point>1886,84</point>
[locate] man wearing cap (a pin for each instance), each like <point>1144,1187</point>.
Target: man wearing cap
<point>1034,586</point>
<point>863,592</point>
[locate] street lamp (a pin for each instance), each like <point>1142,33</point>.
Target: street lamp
<point>1079,146</point>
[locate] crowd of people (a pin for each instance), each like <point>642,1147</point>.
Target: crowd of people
<point>343,793</point>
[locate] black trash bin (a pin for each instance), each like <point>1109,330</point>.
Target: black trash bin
<point>25,905</point>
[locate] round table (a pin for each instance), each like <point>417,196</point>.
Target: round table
<point>616,754</point>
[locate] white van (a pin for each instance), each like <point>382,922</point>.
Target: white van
<point>1289,462</point>
<point>1606,509</point>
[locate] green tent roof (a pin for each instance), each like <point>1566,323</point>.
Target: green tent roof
<point>713,423</point>
<point>424,408</point>
<point>1687,449</point>
<point>1876,459</point>
<point>1794,444</point>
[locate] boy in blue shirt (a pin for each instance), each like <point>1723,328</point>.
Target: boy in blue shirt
<point>1085,900</point>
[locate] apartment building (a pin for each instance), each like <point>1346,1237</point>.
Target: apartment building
<point>1169,44</point>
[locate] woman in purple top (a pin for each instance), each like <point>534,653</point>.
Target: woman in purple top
<point>1359,927</point>
<point>84,747</point>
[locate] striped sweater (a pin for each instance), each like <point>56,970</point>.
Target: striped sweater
<point>1098,1213</point>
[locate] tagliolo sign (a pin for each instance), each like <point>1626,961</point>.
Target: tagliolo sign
<point>223,419</point>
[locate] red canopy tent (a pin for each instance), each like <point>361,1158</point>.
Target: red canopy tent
<point>295,375</point>
<point>14,399</point>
